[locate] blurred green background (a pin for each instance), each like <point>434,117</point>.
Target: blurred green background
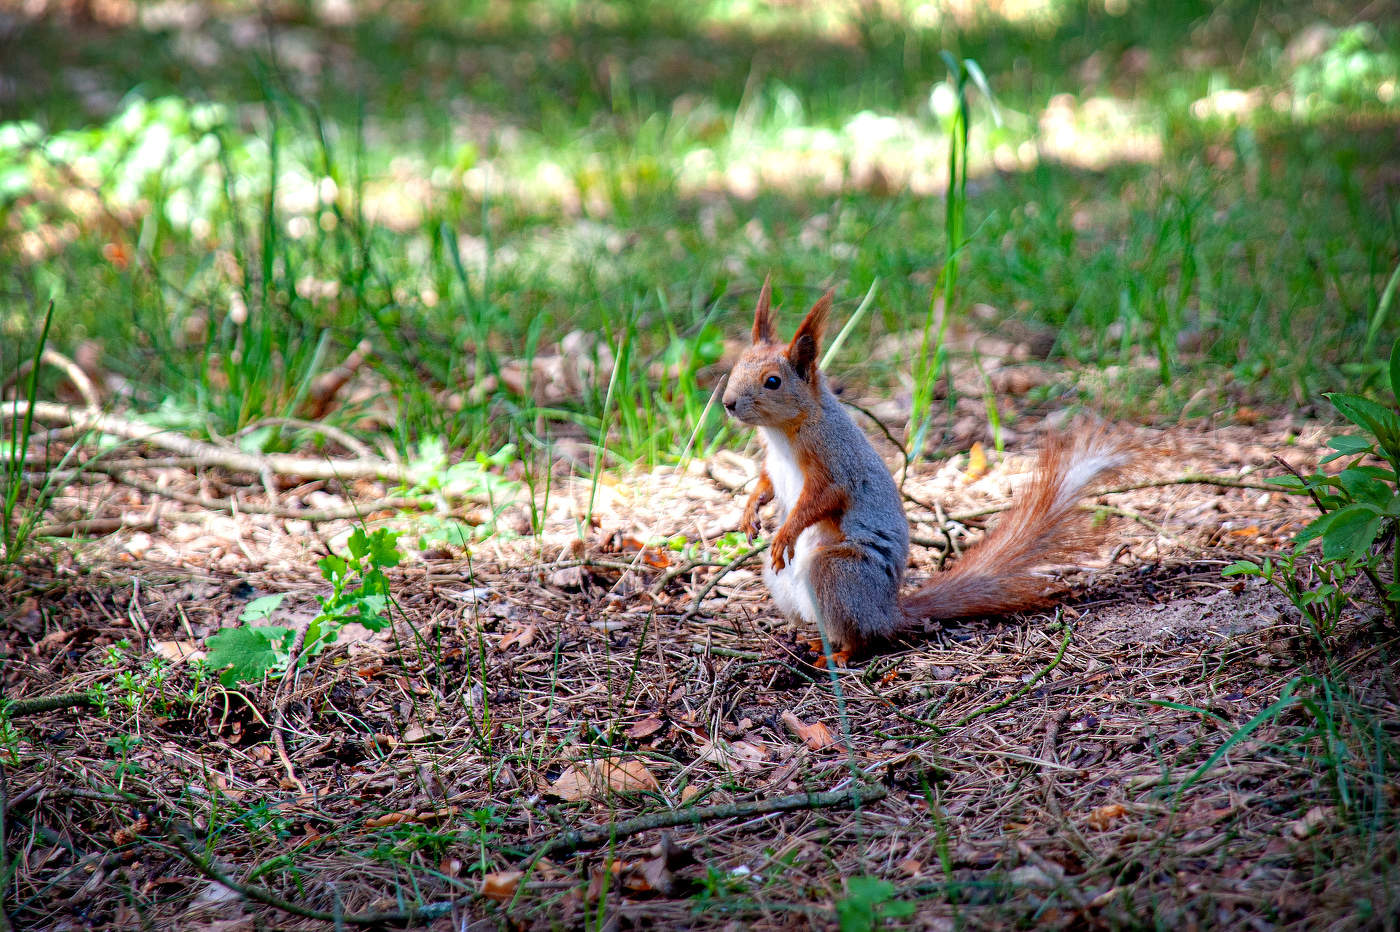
<point>542,220</point>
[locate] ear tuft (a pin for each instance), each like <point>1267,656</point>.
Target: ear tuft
<point>763,313</point>
<point>806,343</point>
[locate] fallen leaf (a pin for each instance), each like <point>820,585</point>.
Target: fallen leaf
<point>593,779</point>
<point>178,651</point>
<point>390,818</point>
<point>1104,816</point>
<point>517,636</point>
<point>816,735</point>
<point>571,785</point>
<point>501,885</point>
<point>417,734</point>
<point>51,640</point>
<point>976,462</point>
<point>1313,820</point>
<point>645,728</point>
<point>598,878</point>
<point>432,816</point>
<point>628,776</point>
<point>731,754</point>
<point>570,577</point>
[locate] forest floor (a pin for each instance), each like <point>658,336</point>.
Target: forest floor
<point>1167,747</point>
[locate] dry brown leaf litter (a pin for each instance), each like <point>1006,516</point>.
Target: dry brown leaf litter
<point>539,659</point>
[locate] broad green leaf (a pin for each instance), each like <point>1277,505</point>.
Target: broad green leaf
<point>897,909</point>
<point>1395,369</point>
<point>371,609</point>
<point>358,544</point>
<point>1382,473</point>
<point>1241,568</point>
<point>332,567</point>
<point>248,652</point>
<point>1316,527</point>
<point>1382,422</point>
<point>1348,444</point>
<point>1351,532</point>
<point>869,889</point>
<point>384,548</point>
<point>262,607</point>
<point>1365,488</point>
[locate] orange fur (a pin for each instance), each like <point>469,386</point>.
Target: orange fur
<point>1044,527</point>
<point>820,501</point>
<point>762,494</point>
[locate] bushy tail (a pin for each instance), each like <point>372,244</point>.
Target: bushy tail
<point>1044,527</point>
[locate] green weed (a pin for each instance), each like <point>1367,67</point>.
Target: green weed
<point>1360,508</point>
<point>22,501</point>
<point>359,592</point>
<point>868,904</point>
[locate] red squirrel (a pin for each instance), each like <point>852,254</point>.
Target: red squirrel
<point>838,558</point>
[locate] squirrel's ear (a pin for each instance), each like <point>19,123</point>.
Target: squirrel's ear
<point>802,351</point>
<point>763,314</point>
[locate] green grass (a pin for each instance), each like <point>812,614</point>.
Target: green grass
<point>628,175</point>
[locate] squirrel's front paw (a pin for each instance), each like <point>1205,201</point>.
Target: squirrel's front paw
<point>749,525</point>
<point>783,545</point>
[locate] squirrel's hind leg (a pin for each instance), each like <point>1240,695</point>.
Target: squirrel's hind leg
<point>858,595</point>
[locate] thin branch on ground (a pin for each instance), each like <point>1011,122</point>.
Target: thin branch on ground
<point>39,704</point>
<point>68,367</point>
<point>724,570</point>
<point>232,506</point>
<point>330,432</point>
<point>567,843</point>
<point>96,527</point>
<point>207,454</point>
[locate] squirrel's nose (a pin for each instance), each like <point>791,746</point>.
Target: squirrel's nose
<point>729,405</point>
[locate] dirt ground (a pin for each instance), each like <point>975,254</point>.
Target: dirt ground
<point>1051,769</point>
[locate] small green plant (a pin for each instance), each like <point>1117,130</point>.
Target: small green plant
<point>20,511</point>
<point>359,592</point>
<point>432,473</point>
<point>122,765</point>
<point>1360,508</point>
<point>868,902</point>
<point>950,100</point>
<point>9,736</point>
<point>720,888</point>
<point>100,698</point>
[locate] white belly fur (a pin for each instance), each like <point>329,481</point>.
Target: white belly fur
<point>792,588</point>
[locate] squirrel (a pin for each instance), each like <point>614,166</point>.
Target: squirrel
<point>838,558</point>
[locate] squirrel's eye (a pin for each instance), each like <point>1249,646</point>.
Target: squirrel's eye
<point>772,382</point>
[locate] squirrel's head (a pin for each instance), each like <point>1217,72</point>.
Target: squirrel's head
<point>775,384</point>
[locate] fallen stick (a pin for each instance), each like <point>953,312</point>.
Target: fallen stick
<point>38,704</point>
<point>569,842</point>
<point>97,526</point>
<point>75,373</point>
<point>724,570</point>
<point>206,454</point>
<point>854,798</point>
<point>351,512</point>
